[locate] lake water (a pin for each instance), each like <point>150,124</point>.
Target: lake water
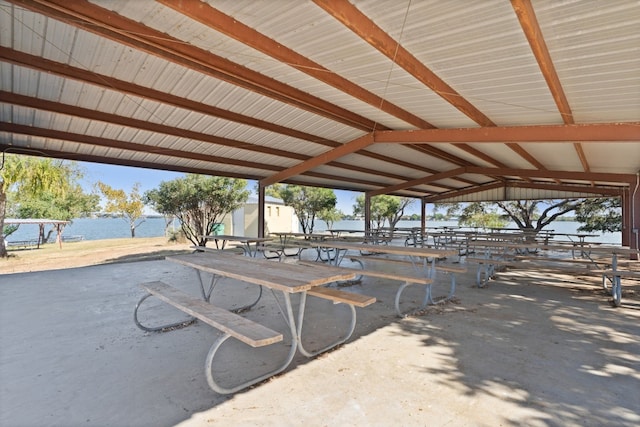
<point>98,229</point>
<point>111,228</point>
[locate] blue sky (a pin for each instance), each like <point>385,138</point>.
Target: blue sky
<point>123,178</point>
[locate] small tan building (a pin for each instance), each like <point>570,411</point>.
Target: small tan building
<point>277,216</point>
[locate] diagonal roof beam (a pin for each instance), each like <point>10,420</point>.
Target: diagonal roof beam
<point>91,114</point>
<point>124,145</point>
<point>589,132</point>
<point>479,154</point>
<point>532,31</point>
<point>361,25</point>
<point>213,18</point>
<point>419,168</point>
<point>419,181</point>
<point>336,153</point>
<point>529,23</point>
<point>67,71</point>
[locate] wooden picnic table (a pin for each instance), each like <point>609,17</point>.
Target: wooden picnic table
<point>422,260</point>
<point>248,244</point>
<point>282,278</point>
<point>288,236</point>
<point>389,249</point>
<point>338,232</point>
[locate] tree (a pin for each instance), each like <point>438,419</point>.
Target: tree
<point>451,209</point>
<point>199,202</point>
<point>307,202</point>
<point>483,216</point>
<point>32,177</point>
<point>329,216</point>
<point>600,214</point>
<point>130,207</point>
<point>74,203</point>
<point>383,208</point>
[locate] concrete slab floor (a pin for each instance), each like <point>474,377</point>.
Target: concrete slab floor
<point>527,350</point>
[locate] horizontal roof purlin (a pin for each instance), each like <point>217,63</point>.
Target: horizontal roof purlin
<point>592,132</point>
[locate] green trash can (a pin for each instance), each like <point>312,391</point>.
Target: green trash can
<point>218,228</point>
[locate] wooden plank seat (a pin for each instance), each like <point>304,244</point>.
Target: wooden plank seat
<point>362,300</point>
<point>408,280</point>
<point>487,268</point>
<point>231,249</point>
<point>442,268</point>
<point>230,324</point>
<point>275,250</point>
<point>240,328</point>
<point>389,275</point>
<point>337,296</point>
<point>342,297</point>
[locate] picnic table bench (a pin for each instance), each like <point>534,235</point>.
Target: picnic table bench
<point>22,244</point>
<point>248,244</point>
<point>228,249</point>
<point>241,328</point>
<point>285,278</point>
<point>281,251</point>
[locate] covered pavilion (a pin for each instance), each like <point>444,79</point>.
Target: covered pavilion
<point>446,101</point>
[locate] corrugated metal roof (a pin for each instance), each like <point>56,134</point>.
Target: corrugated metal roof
<point>149,84</point>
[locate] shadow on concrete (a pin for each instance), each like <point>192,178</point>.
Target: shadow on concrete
<point>548,344</point>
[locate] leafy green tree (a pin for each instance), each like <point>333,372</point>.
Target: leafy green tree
<point>482,216</point>
<point>27,176</point>
<point>199,202</point>
<point>129,206</point>
<point>528,218</point>
<point>307,202</point>
<point>329,216</point>
<point>600,214</point>
<point>384,208</point>
<point>74,203</point>
<point>450,210</point>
